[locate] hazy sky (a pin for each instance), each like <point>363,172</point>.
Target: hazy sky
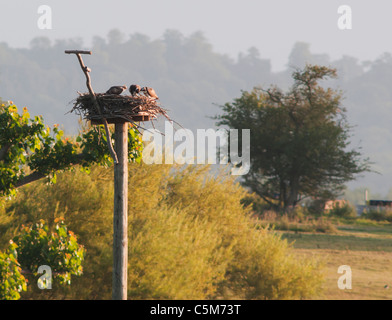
<point>231,26</point>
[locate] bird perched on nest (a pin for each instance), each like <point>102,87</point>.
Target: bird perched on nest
<point>134,89</point>
<point>116,89</point>
<point>149,92</point>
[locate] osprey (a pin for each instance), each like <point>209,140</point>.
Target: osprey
<point>116,89</point>
<point>134,89</point>
<point>149,92</point>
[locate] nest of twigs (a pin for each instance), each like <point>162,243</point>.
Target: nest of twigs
<point>129,108</point>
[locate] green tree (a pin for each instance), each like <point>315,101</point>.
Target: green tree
<point>300,139</point>
<point>29,150</point>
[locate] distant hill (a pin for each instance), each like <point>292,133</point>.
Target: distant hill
<point>191,79</point>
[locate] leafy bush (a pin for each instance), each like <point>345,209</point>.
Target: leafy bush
<point>29,150</point>
<point>190,236</point>
<point>59,249</point>
<point>12,282</point>
<point>175,257</point>
<point>265,268</point>
<point>252,257</point>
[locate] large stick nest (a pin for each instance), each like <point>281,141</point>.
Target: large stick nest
<point>113,106</point>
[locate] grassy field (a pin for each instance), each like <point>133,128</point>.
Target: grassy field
<point>367,249</point>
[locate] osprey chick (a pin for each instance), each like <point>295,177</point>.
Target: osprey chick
<point>134,89</point>
<point>116,89</point>
<point>149,92</point>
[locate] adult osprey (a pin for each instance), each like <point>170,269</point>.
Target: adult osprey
<point>134,89</point>
<point>116,89</point>
<point>149,92</point>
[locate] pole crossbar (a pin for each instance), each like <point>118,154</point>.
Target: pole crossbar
<point>86,71</point>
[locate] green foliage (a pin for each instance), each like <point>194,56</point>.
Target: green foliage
<point>94,146</point>
<point>190,236</point>
<point>52,152</point>
<point>299,141</point>
<point>17,135</point>
<point>12,282</point>
<point>30,151</point>
<point>59,249</point>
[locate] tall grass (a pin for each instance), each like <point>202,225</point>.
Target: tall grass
<point>378,214</point>
<point>298,224</point>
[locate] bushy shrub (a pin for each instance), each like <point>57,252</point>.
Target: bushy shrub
<point>190,236</point>
<point>325,226</point>
<point>175,257</point>
<point>264,267</point>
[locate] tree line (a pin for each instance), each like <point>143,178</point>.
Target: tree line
<point>190,78</point>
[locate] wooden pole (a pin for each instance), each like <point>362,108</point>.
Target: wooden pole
<point>120,217</point>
